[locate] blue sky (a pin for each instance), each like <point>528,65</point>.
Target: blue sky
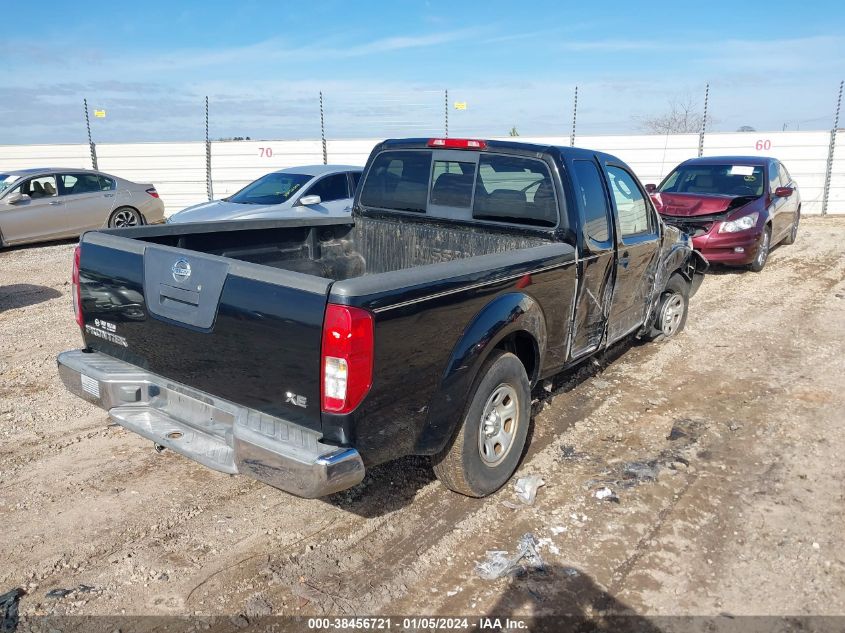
<point>383,66</point>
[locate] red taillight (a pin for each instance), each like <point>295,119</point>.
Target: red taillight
<point>77,296</point>
<point>347,358</point>
<point>152,191</point>
<point>457,143</point>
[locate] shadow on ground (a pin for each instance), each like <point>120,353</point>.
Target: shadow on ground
<point>563,599</point>
<point>25,295</point>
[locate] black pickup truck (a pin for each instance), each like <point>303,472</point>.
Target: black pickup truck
<point>299,352</point>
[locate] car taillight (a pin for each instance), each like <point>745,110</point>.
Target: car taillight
<point>77,296</point>
<point>347,358</point>
<point>457,143</point>
<point>152,191</point>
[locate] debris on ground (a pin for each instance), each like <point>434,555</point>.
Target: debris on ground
<point>499,564</point>
<point>55,594</point>
<point>549,544</point>
<point>606,494</point>
<point>9,609</point>
<point>641,471</point>
<point>568,453</point>
<point>685,428</point>
<point>512,506</point>
<point>526,488</point>
<point>557,529</point>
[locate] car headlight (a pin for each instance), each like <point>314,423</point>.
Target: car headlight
<point>740,224</point>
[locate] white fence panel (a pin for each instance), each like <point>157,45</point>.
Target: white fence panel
<point>836,198</point>
<point>235,164</point>
<point>178,170</point>
<point>804,154</point>
<point>33,156</point>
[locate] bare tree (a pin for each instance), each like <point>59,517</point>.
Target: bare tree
<point>683,117</point>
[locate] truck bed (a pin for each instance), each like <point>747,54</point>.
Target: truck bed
<point>341,251</point>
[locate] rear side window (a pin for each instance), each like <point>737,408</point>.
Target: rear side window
<point>79,183</point>
<point>334,187</point>
<point>591,193</point>
<point>106,184</point>
<point>516,190</point>
<point>398,180</point>
<point>630,203</point>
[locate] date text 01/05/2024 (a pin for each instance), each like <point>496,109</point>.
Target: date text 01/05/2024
<point>416,623</point>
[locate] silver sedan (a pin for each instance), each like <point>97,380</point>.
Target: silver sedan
<point>295,192</point>
<point>52,203</point>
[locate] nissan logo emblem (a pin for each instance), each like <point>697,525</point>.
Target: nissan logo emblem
<point>181,270</point>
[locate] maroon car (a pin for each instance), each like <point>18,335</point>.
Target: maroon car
<point>735,208</point>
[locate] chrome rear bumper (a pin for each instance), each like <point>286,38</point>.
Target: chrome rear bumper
<point>214,432</point>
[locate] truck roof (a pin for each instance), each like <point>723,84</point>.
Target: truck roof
<point>519,146</point>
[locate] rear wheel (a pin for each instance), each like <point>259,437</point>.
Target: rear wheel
<point>488,445</point>
<point>124,217</point>
<point>793,232</point>
<point>671,315</point>
<point>762,251</point>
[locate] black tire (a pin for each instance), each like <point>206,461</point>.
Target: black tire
<point>470,465</point>
<point>124,217</point>
<point>671,314</point>
<point>762,256</point>
<point>793,232</point>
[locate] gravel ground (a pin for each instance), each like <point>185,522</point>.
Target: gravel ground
<point>737,507</point>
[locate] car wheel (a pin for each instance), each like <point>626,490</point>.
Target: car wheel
<point>671,315</point>
<point>793,232</point>
<point>487,447</point>
<point>124,217</point>
<point>762,251</point>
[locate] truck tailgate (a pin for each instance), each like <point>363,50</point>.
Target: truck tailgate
<point>243,332</point>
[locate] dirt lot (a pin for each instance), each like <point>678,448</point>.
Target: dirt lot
<point>740,419</point>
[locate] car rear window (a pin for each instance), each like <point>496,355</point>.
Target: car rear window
<point>485,186</point>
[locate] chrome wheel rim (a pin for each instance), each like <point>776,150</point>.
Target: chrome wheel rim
<point>673,311</point>
<point>499,424</point>
<point>763,253</point>
<point>125,218</point>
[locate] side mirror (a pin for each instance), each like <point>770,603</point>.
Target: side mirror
<point>651,188</point>
<point>16,197</point>
<point>783,192</point>
<point>307,201</point>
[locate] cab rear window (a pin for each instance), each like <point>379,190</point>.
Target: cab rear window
<point>514,189</point>
<point>398,180</point>
<point>486,186</point>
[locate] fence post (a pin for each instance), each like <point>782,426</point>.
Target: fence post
<point>208,186</point>
<point>91,145</point>
<point>574,115</point>
<point>829,170</point>
<point>446,111</point>
<point>323,131</point>
<point>703,122</point>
